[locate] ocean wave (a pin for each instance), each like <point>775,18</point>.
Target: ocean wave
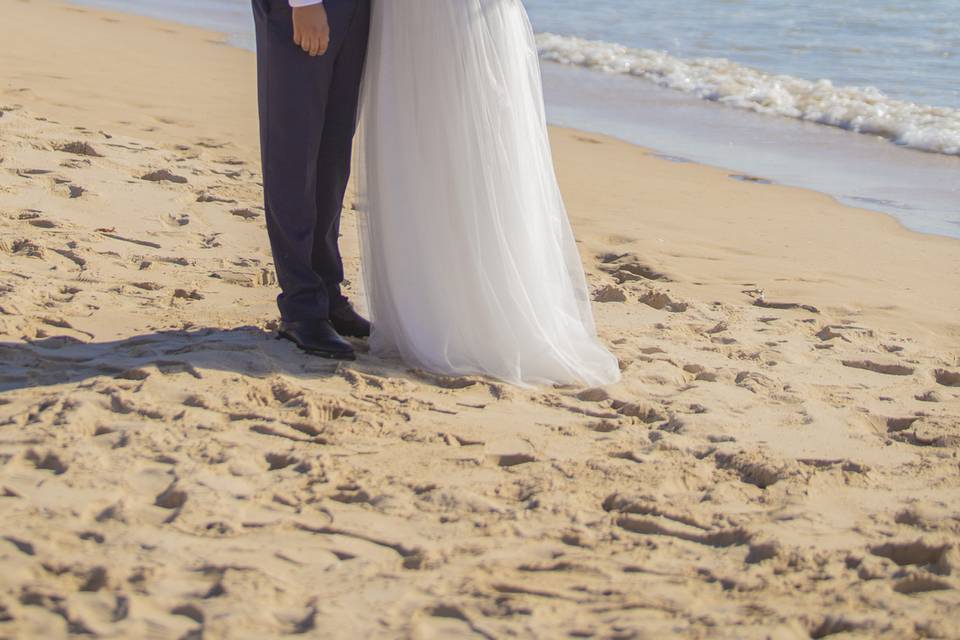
<point>860,109</point>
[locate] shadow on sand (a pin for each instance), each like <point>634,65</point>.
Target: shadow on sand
<point>248,350</point>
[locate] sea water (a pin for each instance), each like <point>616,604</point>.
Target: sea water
<point>859,99</point>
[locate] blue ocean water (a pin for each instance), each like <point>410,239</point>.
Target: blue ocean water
<point>689,78</point>
<point>908,49</point>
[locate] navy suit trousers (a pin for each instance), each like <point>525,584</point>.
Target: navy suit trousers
<point>308,117</point>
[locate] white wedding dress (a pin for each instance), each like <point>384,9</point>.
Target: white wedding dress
<point>469,261</point>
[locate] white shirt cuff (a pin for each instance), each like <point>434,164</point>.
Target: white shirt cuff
<point>304,3</point>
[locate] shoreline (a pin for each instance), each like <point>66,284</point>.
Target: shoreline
<point>857,170</point>
<point>779,460</point>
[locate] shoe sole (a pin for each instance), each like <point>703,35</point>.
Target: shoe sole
<point>358,336</point>
<point>329,355</point>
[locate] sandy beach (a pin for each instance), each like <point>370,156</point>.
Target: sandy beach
<point>781,459</point>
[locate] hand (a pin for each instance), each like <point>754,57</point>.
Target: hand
<point>311,31</point>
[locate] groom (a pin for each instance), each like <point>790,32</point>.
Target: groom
<point>310,56</point>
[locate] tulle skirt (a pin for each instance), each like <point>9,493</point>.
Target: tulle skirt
<point>469,261</point>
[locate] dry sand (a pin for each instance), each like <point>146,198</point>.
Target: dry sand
<point>169,470</point>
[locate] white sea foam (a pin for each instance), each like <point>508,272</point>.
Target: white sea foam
<point>861,109</point>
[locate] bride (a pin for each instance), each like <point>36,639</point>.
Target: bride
<point>469,261</point>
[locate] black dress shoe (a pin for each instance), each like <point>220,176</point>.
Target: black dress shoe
<point>348,322</point>
<point>317,337</point>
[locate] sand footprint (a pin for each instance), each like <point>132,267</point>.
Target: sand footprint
<point>69,190</point>
<point>208,143</point>
<point>890,369</point>
<point>843,332</point>
<point>24,247</point>
<point>48,461</point>
<point>628,267</point>
<point>947,378</point>
<point>917,430</point>
<point>661,301</point>
<point>206,196</point>
<point>700,373</point>
<point>163,175</point>
<point>763,303</point>
<point>173,498</point>
<point>210,241</point>
<point>610,293</point>
<point>246,214</point>
<point>78,148</point>
<point>75,163</point>
<point>233,175</point>
<point>647,413</point>
<point>30,173</point>
<point>280,461</point>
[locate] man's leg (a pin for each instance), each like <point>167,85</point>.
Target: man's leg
<point>336,148</point>
<point>294,91</point>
